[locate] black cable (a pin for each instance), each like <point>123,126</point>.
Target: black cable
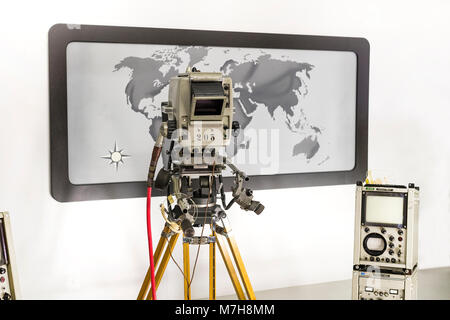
<point>222,192</point>
<point>230,203</point>
<point>181,270</point>
<point>169,164</point>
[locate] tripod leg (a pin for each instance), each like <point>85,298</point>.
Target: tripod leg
<point>230,268</point>
<point>212,269</point>
<point>147,283</point>
<point>164,262</point>
<point>240,266</point>
<point>186,271</point>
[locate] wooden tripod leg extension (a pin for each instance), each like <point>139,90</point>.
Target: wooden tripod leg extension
<point>240,266</point>
<point>164,262</point>
<point>230,268</point>
<point>146,285</point>
<point>157,255</point>
<point>212,268</point>
<point>186,271</point>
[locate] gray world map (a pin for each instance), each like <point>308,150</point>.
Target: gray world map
<point>261,82</point>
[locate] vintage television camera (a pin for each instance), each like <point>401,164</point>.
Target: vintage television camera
<point>197,125</point>
<point>8,276</point>
<point>386,238</point>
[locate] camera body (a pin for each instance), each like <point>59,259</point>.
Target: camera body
<point>199,111</point>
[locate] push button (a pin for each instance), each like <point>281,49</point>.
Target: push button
<point>393,291</point>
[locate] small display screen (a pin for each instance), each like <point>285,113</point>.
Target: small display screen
<point>208,107</point>
<point>375,244</point>
<point>384,209</point>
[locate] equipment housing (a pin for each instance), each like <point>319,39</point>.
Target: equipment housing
<point>386,226</point>
<point>385,256</point>
<point>384,286</point>
<point>200,107</point>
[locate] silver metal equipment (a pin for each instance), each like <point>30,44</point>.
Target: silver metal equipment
<point>386,242</point>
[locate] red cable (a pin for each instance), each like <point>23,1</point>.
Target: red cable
<point>150,244</point>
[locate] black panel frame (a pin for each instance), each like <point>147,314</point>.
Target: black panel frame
<point>60,35</point>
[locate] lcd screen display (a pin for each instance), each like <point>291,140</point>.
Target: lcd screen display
<point>384,209</point>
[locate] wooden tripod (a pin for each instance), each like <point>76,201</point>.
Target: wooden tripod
<point>169,238</point>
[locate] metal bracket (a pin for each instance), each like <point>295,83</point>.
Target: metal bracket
<point>222,231</point>
<point>199,240</point>
<point>168,234</point>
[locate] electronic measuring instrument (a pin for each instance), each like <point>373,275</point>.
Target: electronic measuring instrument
<point>386,240</point>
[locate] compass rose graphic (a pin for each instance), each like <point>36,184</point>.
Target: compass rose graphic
<point>116,156</point>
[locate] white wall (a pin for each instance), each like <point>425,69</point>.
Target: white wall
<point>98,249</point>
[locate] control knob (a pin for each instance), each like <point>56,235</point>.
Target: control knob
<point>6,296</point>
